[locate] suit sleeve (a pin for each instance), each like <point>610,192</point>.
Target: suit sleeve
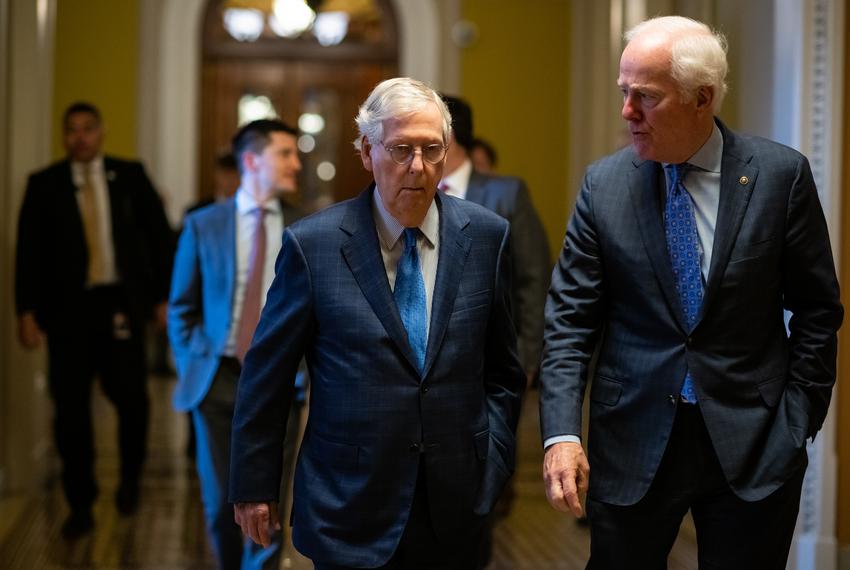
<point>267,382</point>
<point>185,304</point>
<point>531,277</point>
<point>811,293</point>
<point>574,316</point>
<point>503,375</point>
<point>158,235</point>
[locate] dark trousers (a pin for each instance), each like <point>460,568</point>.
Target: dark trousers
<point>418,548</point>
<point>731,533</point>
<point>213,420</point>
<point>102,341</point>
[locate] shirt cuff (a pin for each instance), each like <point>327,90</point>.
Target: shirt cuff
<point>561,439</point>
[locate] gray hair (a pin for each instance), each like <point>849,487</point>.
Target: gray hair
<point>394,98</point>
<point>697,54</point>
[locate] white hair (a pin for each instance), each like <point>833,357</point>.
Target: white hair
<point>396,97</point>
<point>697,54</point>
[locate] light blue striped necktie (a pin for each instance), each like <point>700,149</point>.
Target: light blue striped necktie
<point>410,298</point>
<point>683,246</point>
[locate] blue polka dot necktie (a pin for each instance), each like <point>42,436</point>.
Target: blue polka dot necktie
<point>683,246</point>
<point>409,296</point>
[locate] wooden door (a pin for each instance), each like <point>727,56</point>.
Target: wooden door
<point>301,80</point>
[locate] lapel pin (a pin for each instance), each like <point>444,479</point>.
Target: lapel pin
<point>743,181</point>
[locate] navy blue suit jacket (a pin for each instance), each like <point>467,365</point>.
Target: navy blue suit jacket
<point>373,416</point>
<point>200,306</point>
<point>761,391</point>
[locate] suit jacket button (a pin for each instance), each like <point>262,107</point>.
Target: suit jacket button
<point>425,389</point>
<point>689,342</point>
<point>414,447</point>
<point>672,398</point>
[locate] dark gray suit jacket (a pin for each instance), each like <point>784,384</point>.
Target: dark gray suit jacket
<point>761,391</point>
<point>374,417</point>
<point>508,197</point>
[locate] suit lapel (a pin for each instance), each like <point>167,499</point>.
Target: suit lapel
<point>226,238</point>
<point>643,186</point>
<point>734,198</point>
<point>362,253</point>
<point>454,247</point>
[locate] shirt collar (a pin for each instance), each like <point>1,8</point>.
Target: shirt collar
<point>390,229</point>
<point>458,181</point>
<point>245,203</point>
<point>78,168</point>
<point>709,157</point>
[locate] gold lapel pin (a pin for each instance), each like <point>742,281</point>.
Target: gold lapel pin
<point>743,181</point>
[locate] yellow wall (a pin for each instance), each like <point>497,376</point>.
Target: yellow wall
<point>96,60</point>
<point>515,76</point>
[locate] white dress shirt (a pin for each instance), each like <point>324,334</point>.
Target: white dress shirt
<point>390,232</point>
<point>98,179</point>
<point>458,181</point>
<point>246,222</point>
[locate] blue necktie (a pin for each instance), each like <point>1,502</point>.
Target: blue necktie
<point>680,227</point>
<point>409,296</point>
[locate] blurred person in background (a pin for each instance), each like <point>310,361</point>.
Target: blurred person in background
<point>94,255</point>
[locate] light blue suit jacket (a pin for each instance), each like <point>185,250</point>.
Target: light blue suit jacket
<point>200,305</point>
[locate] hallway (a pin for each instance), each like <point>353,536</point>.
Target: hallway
<point>168,531</point>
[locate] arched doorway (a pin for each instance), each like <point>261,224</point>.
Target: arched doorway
<point>314,79</point>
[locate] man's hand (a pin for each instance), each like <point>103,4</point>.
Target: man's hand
<point>565,473</point>
<point>30,334</point>
<point>160,316</point>
<point>257,521</point>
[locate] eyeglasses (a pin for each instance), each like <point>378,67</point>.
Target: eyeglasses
<point>403,153</point>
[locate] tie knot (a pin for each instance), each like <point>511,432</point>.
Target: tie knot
<point>410,235</point>
<point>677,173</point>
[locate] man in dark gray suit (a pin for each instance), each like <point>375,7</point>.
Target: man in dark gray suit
<point>508,197</point>
<point>223,268</point>
<point>682,255</point>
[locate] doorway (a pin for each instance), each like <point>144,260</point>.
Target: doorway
<point>309,81</point>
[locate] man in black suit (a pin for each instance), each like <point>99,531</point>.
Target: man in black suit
<point>683,253</point>
<point>94,256</point>
<point>508,197</point>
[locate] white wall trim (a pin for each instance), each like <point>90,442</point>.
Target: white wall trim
<point>814,97</point>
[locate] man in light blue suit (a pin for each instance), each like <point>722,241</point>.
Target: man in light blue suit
<point>401,303</point>
<point>683,254</point>
<point>224,265</point>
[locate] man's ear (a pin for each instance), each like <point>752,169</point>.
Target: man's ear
<point>365,153</point>
<point>249,161</point>
<point>705,98</point>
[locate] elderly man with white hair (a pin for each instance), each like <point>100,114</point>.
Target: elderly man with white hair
<point>683,254</point>
<point>399,300</point>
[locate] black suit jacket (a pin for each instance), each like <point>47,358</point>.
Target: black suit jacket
<point>761,391</point>
<point>508,197</point>
<point>52,255</point>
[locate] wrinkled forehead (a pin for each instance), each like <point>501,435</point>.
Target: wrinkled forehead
<point>425,124</point>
